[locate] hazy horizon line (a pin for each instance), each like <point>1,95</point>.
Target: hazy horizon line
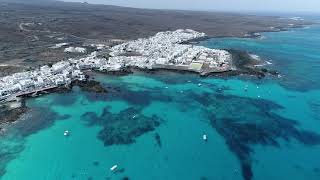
<point>248,11</point>
<point>207,10</point>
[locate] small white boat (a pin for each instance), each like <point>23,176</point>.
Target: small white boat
<point>204,137</point>
<point>166,87</point>
<point>113,168</point>
<point>66,133</point>
<point>199,84</point>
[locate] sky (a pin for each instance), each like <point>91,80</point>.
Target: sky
<point>220,5</point>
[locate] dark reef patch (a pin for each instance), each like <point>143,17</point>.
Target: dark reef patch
<point>91,119</point>
<point>7,153</point>
<point>64,99</point>
<point>315,107</point>
<point>93,97</point>
<point>229,115</point>
<point>37,119</point>
<point>124,127</point>
<point>169,76</point>
<point>203,178</point>
<point>139,98</point>
<point>158,139</point>
<point>9,115</point>
<point>96,163</point>
<point>298,167</point>
<point>90,86</point>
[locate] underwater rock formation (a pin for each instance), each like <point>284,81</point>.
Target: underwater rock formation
<point>90,86</point>
<point>34,120</point>
<point>9,115</point>
<point>158,139</point>
<point>140,98</point>
<point>37,118</point>
<point>241,132</point>
<point>96,163</point>
<point>124,127</point>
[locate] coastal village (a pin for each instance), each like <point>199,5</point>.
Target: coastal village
<point>163,50</point>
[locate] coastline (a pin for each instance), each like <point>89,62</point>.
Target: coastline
<point>244,111</point>
<point>244,63</point>
<point>254,34</point>
<point>245,66</point>
<point>286,25</point>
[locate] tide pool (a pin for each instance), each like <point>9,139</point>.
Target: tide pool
<point>151,125</point>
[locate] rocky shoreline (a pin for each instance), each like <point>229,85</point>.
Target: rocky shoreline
<point>247,65</point>
<point>10,112</point>
<point>90,86</point>
<point>253,34</point>
<point>244,63</point>
<point>241,64</point>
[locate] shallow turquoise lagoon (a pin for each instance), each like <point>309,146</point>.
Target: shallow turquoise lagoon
<point>151,125</point>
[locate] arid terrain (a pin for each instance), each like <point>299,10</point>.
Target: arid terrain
<point>29,31</point>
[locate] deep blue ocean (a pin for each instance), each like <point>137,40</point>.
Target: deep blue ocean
<point>152,125</point>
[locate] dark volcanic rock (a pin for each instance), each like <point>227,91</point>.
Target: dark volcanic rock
<point>90,86</point>
<point>9,115</point>
<point>122,72</point>
<point>245,64</point>
<point>12,115</point>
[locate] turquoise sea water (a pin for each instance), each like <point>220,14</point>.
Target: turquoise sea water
<point>151,125</point>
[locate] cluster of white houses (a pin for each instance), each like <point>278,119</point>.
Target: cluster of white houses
<point>162,50</point>
<point>165,50</point>
<point>61,73</point>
